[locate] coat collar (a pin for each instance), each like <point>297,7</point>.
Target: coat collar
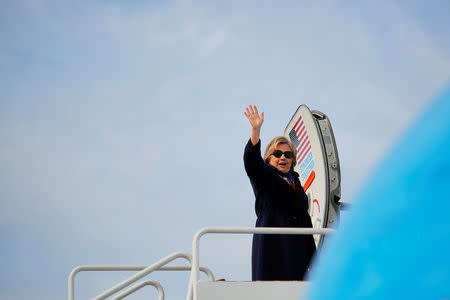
<point>293,173</point>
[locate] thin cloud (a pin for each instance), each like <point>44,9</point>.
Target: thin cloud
<point>123,123</point>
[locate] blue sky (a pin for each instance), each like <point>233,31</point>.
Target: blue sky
<point>122,124</point>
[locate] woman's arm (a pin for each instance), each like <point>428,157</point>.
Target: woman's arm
<point>254,165</point>
<point>256,121</point>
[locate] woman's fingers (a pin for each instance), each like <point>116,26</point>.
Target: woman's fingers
<point>252,114</point>
<point>248,113</point>
<point>253,111</point>
<point>256,110</point>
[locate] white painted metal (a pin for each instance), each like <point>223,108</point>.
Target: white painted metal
<point>319,163</point>
<point>238,230</point>
<point>143,273</point>
<point>313,164</point>
<point>252,290</point>
<point>333,166</point>
<point>75,271</point>
<point>139,286</point>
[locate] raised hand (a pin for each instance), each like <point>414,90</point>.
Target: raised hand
<point>252,115</point>
<point>256,121</point>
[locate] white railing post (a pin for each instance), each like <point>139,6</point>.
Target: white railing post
<point>141,274</point>
<point>71,281</point>
<point>139,286</point>
<point>238,230</point>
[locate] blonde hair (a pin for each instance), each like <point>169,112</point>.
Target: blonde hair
<point>272,146</point>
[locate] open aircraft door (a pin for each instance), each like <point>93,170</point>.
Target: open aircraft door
<point>317,165</point>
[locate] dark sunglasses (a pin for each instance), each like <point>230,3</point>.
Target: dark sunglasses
<point>287,154</point>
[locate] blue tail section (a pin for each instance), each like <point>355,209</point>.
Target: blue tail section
<point>395,242</point>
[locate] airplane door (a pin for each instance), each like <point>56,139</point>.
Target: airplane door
<point>317,165</point>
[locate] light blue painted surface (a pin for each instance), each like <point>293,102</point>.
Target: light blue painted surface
<point>395,242</point>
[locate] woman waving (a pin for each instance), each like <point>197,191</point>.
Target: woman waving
<point>280,201</point>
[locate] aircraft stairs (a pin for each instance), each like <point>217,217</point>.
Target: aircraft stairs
<point>209,289</point>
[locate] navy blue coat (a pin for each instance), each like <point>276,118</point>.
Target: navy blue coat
<point>278,257</point>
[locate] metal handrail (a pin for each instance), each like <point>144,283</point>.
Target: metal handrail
<point>75,271</point>
<point>139,286</point>
<point>238,230</point>
<point>143,273</point>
